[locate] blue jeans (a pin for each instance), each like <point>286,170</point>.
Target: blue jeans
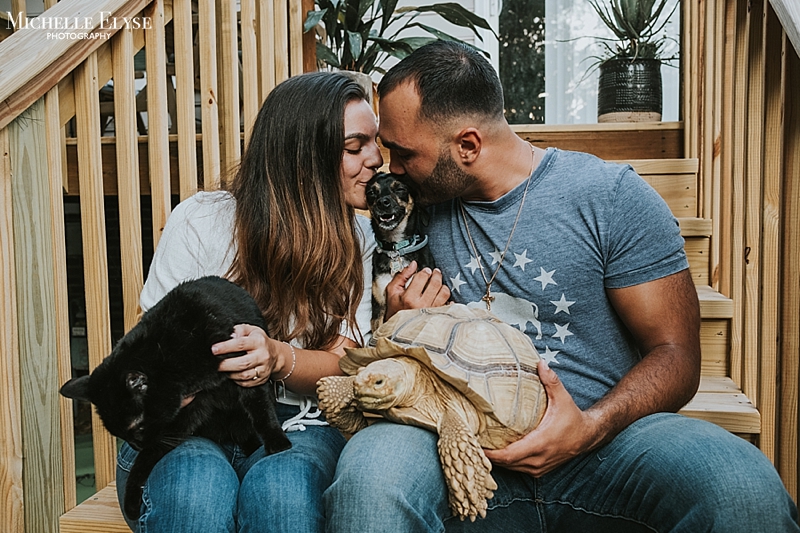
<point>202,486</point>
<point>663,473</point>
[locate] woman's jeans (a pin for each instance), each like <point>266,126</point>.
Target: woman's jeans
<point>664,473</point>
<point>201,486</point>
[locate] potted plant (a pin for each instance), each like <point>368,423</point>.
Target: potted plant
<point>359,35</point>
<point>629,89</point>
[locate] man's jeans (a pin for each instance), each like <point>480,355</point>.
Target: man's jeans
<point>663,473</point>
<point>201,486</point>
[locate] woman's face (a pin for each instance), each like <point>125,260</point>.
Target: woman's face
<point>361,157</point>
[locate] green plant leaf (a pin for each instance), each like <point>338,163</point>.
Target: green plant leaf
<point>387,7</point>
<point>445,36</point>
<point>363,7</point>
<point>636,24</point>
<point>417,42</point>
<point>393,47</point>
<point>351,11</point>
<point>439,34</point>
<point>313,18</point>
<point>458,15</point>
<point>355,41</point>
<point>326,54</point>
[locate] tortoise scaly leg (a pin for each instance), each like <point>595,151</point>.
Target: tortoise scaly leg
<point>466,468</point>
<point>336,400</point>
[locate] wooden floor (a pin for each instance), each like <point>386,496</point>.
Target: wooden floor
<point>99,514</point>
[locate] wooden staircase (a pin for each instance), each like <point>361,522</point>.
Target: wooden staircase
<point>719,399</point>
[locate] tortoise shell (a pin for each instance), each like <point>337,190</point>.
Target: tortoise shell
<point>492,363</point>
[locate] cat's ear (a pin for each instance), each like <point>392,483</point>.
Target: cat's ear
<point>136,382</point>
<point>76,388</point>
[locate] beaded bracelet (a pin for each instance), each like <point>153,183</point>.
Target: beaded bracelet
<point>294,363</point>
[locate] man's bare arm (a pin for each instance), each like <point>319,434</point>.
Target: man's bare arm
<point>664,318</point>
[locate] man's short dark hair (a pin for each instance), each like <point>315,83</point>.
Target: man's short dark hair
<point>452,79</point>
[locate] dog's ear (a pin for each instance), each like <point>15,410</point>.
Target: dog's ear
<point>76,388</point>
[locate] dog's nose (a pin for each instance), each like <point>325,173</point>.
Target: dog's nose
<point>385,202</point>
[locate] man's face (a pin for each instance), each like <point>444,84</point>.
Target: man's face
<point>418,149</point>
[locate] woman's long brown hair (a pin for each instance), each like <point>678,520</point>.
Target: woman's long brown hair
<point>297,249</point>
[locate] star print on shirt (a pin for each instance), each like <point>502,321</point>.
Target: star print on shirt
<point>497,255</point>
<point>456,283</point>
<point>546,278</point>
<point>549,356</point>
<point>562,332</point>
<point>522,260</point>
<point>474,263</point>
<point>562,305</point>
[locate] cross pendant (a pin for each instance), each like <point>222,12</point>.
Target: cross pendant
<point>488,298</point>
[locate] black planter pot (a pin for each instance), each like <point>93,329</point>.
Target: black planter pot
<point>629,91</point>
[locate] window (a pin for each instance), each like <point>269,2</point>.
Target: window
<point>547,59</point>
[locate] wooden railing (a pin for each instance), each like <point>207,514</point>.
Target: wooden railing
<point>742,117</point>
<point>52,81</point>
<point>741,120</point>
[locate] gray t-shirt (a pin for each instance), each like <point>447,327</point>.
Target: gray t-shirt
<point>586,225</point>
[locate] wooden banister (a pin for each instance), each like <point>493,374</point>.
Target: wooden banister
<point>48,61</point>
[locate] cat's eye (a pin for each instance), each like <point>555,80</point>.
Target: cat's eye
<point>136,381</point>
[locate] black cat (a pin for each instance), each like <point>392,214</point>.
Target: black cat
<point>142,388</point>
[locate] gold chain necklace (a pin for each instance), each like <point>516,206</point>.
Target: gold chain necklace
<point>487,297</point>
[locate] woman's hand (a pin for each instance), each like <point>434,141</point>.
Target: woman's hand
<point>260,360</point>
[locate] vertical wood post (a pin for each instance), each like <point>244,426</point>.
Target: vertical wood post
<point>739,141</point>
<point>790,282</point>
<point>753,161</point>
<point>95,257</point>
<point>12,517</point>
<point>281,36</point>
<point>250,98</point>
<point>296,18</point>
<point>309,41</point>
<point>208,92</point>
<point>55,169</point>
<point>157,117</point>
<point>184,79</point>
<point>127,149</point>
<point>266,47</point>
<point>770,229</point>
<point>38,364</point>
<point>229,102</point>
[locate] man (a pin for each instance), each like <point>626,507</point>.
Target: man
<point>586,259</point>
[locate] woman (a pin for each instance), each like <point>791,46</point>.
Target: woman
<point>287,232</point>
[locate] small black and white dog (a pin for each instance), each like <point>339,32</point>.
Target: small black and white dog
<point>397,223</point>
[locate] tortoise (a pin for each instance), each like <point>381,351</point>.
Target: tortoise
<point>454,370</point>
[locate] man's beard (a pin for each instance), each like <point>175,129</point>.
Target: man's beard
<point>447,181</point>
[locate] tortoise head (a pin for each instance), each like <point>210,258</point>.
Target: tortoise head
<point>385,383</point>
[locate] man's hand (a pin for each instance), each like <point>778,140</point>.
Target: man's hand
<point>564,432</point>
<point>663,316</point>
<point>425,289</point>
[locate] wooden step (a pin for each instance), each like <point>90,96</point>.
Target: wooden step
<point>720,401</point>
<point>713,304</point>
<point>98,514</point>
<point>695,227</point>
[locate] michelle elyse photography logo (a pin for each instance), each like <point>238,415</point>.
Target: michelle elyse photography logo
<point>77,28</point>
